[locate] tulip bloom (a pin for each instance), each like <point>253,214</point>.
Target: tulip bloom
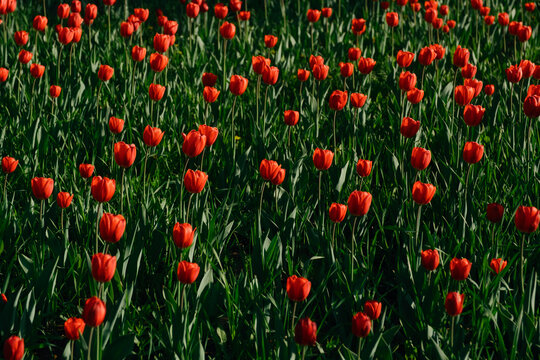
<point>414,96</point>
<point>454,303</point>
<point>270,75</point>
<point>291,117</point>
<point>102,189</point>
<point>124,154</point>
<point>103,267</point>
<point>404,58</point>
<point>527,219</point>
<point>372,309</point>
<point>194,181</point>
<point>221,11</point>
<point>116,125</point>
<point>363,167</point>
<point>359,203</point>
<point>305,332</point>
<point>409,127</point>
<point>338,100</point>
<point>313,15</point>
<point>337,212</point>
<point>392,19</point>
<point>211,134</point>
<point>423,193</point>
<point>42,187</point>
<point>473,152</point>
<point>302,75</point>
<point>407,81</point>
<point>156,92</point>
<point>322,159</point>
<point>4,73</point>
<point>37,70</point>
<point>158,62</point>
<point>183,235</point>
<point>361,325</point>
<point>152,136</point>
<point>55,91</point>
<point>358,26</point>
<point>9,164</point>
<point>94,312</point>
<point>497,265</point>
<point>64,199</point>
<point>25,56</point>
<point>514,73</point>
<point>358,100</point>
<point>194,143</point>
<point>112,227</point>
<point>430,259</point>
<point>13,348</point>
<point>227,30</point>
<point>272,171</point>
<point>494,212</point>
<point>187,272</point>
<point>426,56</point>
<point>473,114</point>
<point>531,106</point>
<point>420,158</point>
<point>463,94</point>
<point>461,56</point>
<point>238,85</point>
<point>346,69</point>
<point>298,288</point>
<point>209,79</point>
<point>20,37</point>
<point>460,268</point>
<point>74,328</point>
<point>366,65</point>
<point>105,72</point>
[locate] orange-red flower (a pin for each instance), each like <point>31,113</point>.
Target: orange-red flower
<point>194,143</point>
<point>103,267</point>
<point>359,203</point>
<point>270,41</point>
<point>461,56</point>
<point>420,158</point>
<point>322,159</point>
<point>305,332</point>
<point>152,136</point>
<point>183,235</point>
<point>430,259</point>
<point>527,219</point>
<point>112,227</point>
<point>105,72</point>
<point>124,154</point>
<point>227,30</point>
<point>37,70</point>
<point>158,62</point>
<point>272,171</point>
<point>358,100</point>
<point>404,58</point>
<point>313,15</point>
<point>291,117</point>
<point>63,199</point>
<point>463,94</point>
<point>392,19</point>
<point>156,92</point>
<point>74,327</point>
<point>337,212</point>
<point>9,164</point>
<point>473,152</point>
<point>187,272</point>
<point>407,81</point>
<point>94,312</point>
<point>194,181</point>
<point>338,100</point>
<point>454,303</point>
<point>210,132</point>
<point>372,309</point>
<point>460,268</point>
<point>358,26</point>
<point>423,193</point>
<point>102,189</point>
<point>238,85</point>
<point>42,187</point>
<point>366,65</point>
<point>497,265</point>
<point>361,325</point>
<point>116,125</point>
<point>298,288</point>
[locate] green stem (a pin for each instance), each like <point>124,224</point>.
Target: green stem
<point>90,344</point>
<point>452,332</point>
<point>122,191</point>
<point>352,247</point>
<point>293,313</point>
<point>359,347</point>
<point>521,267</point>
<point>260,204</point>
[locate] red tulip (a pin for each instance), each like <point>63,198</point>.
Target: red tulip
<point>62,11</point>
<point>9,164</point>
<point>407,81</point>
<point>527,219</point>
<point>322,159</point>
<point>363,167</point>
<point>346,69</point>
<point>156,92</point>
<point>494,212</point>
<point>477,4</point>
<point>103,267</point>
<point>42,187</point>
<point>126,29</point>
<point>64,199</point>
<point>37,70</point>
<point>473,114</point>
<point>503,19</point>
<point>305,332</point>
<point>102,189</point>
<point>409,127</point>
<point>142,14</point>
<point>358,100</point>
<point>298,288</point>
<point>105,72</point>
<point>4,73</point>
<point>461,56</point>
<point>420,158</point>
<point>326,12</point>
<point>221,11</point>
<point>361,325</point>
<point>468,71</point>
<point>112,227</point>
<point>162,42</point>
<point>192,10</point>
<point>270,75</point>
<point>358,26</point>
<point>404,58</point>
<point>94,312</point>
<point>372,309</point>
<point>430,259</point>
<point>423,193</point>
<point>489,89</point>
<point>227,30</point>
<point>194,181</point>
<point>454,303</point>
<point>259,64</point>
<point>337,212</point>
<point>235,5</point>
<point>524,33</point>
<point>366,65</point>
<point>244,15</point>
<point>527,67</point>
<point>183,235</point>
<point>514,73</point>
<point>475,84</point>
<point>354,54</point>
<point>74,328</point>
<point>463,94</point>
<point>414,96</point>
<point>426,56</point>
<point>90,13</point>
<point>291,117</point>
<point>392,19</point>
<point>187,272</point>
<point>152,136</point>
<point>530,6</point>
<point>320,71</point>
<point>440,51</point>
<point>194,143</point>
<point>302,75</point>
<point>211,134</point>
<point>497,265</point>
<point>40,23</point>
<point>158,62</point>
<point>431,15</point>
<point>14,348</point>
<point>359,203</point>
<point>209,79</point>
<point>170,28</point>
<point>473,152</point>
<point>531,106</point>
<point>272,171</point>
<point>25,56</point>
<point>313,15</point>
<point>460,268</point>
<point>270,41</point>
<point>338,100</point>
<point>513,27</point>
<point>116,125</point>
<point>124,154</point>
<point>21,37</point>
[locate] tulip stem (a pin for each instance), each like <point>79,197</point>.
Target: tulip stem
<point>260,205</point>
<point>144,172</point>
<point>41,213</point>
<point>452,332</point>
<point>418,216</point>
<point>352,247</point>
<point>493,240</point>
<point>62,219</point>
<point>122,191</point>
<point>232,126</point>
<point>258,93</point>
<point>5,188</point>
<point>334,126</point>
<point>90,343</point>
<point>359,347</point>
<point>188,207</point>
<point>465,203</point>
<point>224,62</point>
<point>333,234</point>
<point>182,297</point>
<point>97,100</point>
<point>109,24</point>
<point>293,313</point>
<point>264,111</point>
<point>73,347</point>
<point>320,178</point>
<point>70,54</point>
<point>304,352</point>
<point>521,267</point>
<point>97,224</point>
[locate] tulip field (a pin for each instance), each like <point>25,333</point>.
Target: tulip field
<point>322,179</point>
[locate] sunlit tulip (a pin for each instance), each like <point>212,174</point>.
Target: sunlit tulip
<point>497,265</point>
<point>152,136</point>
<point>74,328</point>
<point>358,100</point>
<point>194,143</point>
<point>337,212</point>
<point>407,81</point>
<point>423,193</point>
<point>37,70</point>
<point>156,92</point>
<point>366,65</point>
<point>463,94</point>
<point>420,158</point>
<point>270,41</point>
<point>361,325</point>
<point>298,288</point>
<point>187,272</point>
<point>94,312</point>
<point>227,30</point>
<point>210,132</point>
<point>194,181</point>
<point>322,159</point>
<point>473,152</point>
<point>124,154</point>
<point>9,164</point>
<point>238,84</point>
<point>42,187</point>
<point>359,203</point>
<point>102,189</point>
<point>183,235</point>
<point>527,219</point>
<point>103,267</point>
<point>461,57</point>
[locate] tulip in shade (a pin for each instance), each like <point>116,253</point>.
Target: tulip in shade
<point>192,10</point>
<point>209,79</point>
<point>3,297</point>
<point>210,132</point>
<point>326,12</point>
<point>112,227</point>
<point>62,11</point>
<point>272,171</point>
<point>531,106</point>
<point>305,332</point>
<point>414,96</point>
<point>4,73</point>
<point>497,265</point>
<point>473,152</point>
<point>358,26</point>
<point>126,29</point>
<point>409,127</point>
<point>74,328</point>
<point>354,54</point>
<point>423,193</point>
<point>494,212</point>
<point>366,65</point>
<point>116,125</point>
<point>460,268</point>
<point>420,158</point>
<point>473,114</point>
<point>162,42</point>
<point>454,303</point>
<point>152,136</point>
<point>9,164</point>
<point>363,167</point>
<point>475,84</point>
<point>527,219</point>
<point>426,56</point>
<point>431,15</point>
<point>298,288</point>
<point>337,212</point>
<point>372,309</point>
<point>463,94</point>
<point>194,181</point>
<point>358,100</point>
<point>440,51</point>
<point>338,100</point>
<point>102,189</point>
<point>430,259</point>
<point>105,72</point>
<point>235,5</point>
<point>468,71</point>
<point>94,312</point>
<point>313,15</point>
<point>64,199</point>
<point>25,56</point>
<point>13,348</point>
<point>322,159</point>
<point>124,154</point>
<point>183,235</point>
<point>404,58</point>
<point>259,64</point>
<point>187,272</point>
<point>103,267</point>
<point>291,117</point>
<point>320,71</point>
<point>361,325</point>
<point>42,187</point>
<point>514,73</point>
<point>302,75</point>
<point>359,203</point>
<point>503,19</point>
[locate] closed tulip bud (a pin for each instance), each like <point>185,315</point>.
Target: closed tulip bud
<point>105,72</point>
<point>473,152</point>
<point>55,91</point>
<point>37,70</point>
<point>86,170</point>
<point>363,167</point>
<point>102,189</point>
<point>156,92</point>
<point>142,14</point>
<point>209,79</point>
<point>322,159</point>
<point>259,64</point>
<point>187,272</point>
<point>524,33</point>
<point>454,303</point>
<point>426,56</point>
<point>359,203</point>
<point>116,125</point>
<point>437,23</point>
<point>302,75</point>
<point>409,127</point>
<point>270,41</point>
<point>298,288</point>
<point>192,10</point>
<point>270,75</point>
<point>514,73</point>
<point>338,100</point>
<point>62,11</point>
<point>112,227</point>
<point>152,136</point>
<point>103,267</point>
<point>430,259</point>
<point>4,73</point>
<point>463,94</point>
<point>460,269</point>
<point>210,94</point>
<point>65,35</point>
<point>477,4</point>
<point>527,219</point>
<point>162,20</point>
<point>77,34</point>
<point>4,299</point>
<point>392,19</point>
<point>194,181</point>
<point>25,56</point>
<point>489,89</point>
<point>320,71</point>
<point>416,7</point>
<point>40,23</point>
<point>235,5</point>
<point>162,42</point>
<point>305,332</point>
<point>503,19</point>
<point>404,58</point>
<point>291,117</point>
<point>326,12</point>
<point>531,106</point>
<point>64,199</point>
<point>238,85</point>
<point>42,187</point>
<point>414,96</point>
<point>430,15</point>
<point>170,28</point>
<point>244,15</point>
<point>126,29</point>
<point>423,193</point>
<point>21,37</point>
<point>358,26</point>
<point>221,11</point>
<point>407,81</point>
<point>354,54</point>
<point>158,62</point>
<point>194,143</point>
<point>468,71</point>
<point>13,348</point>
<point>420,158</point>
<point>372,309</point>
<point>94,312</point>
<point>361,325</point>
<point>90,13</point>
<point>473,114</point>
<point>183,235</point>
<point>366,65</point>
<point>461,57</point>
<point>358,100</point>
<point>138,53</point>
<point>75,20</point>
<point>124,154</point>
<point>527,68</point>
<point>494,212</point>
<point>227,30</point>
<point>513,27</point>
<point>475,84</point>
<point>489,20</point>
<point>313,15</point>
<point>211,134</point>
<point>337,212</point>
<point>74,328</point>
<point>76,6</point>
<point>9,164</point>
<point>346,69</point>
<point>444,10</point>
<point>497,265</point>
